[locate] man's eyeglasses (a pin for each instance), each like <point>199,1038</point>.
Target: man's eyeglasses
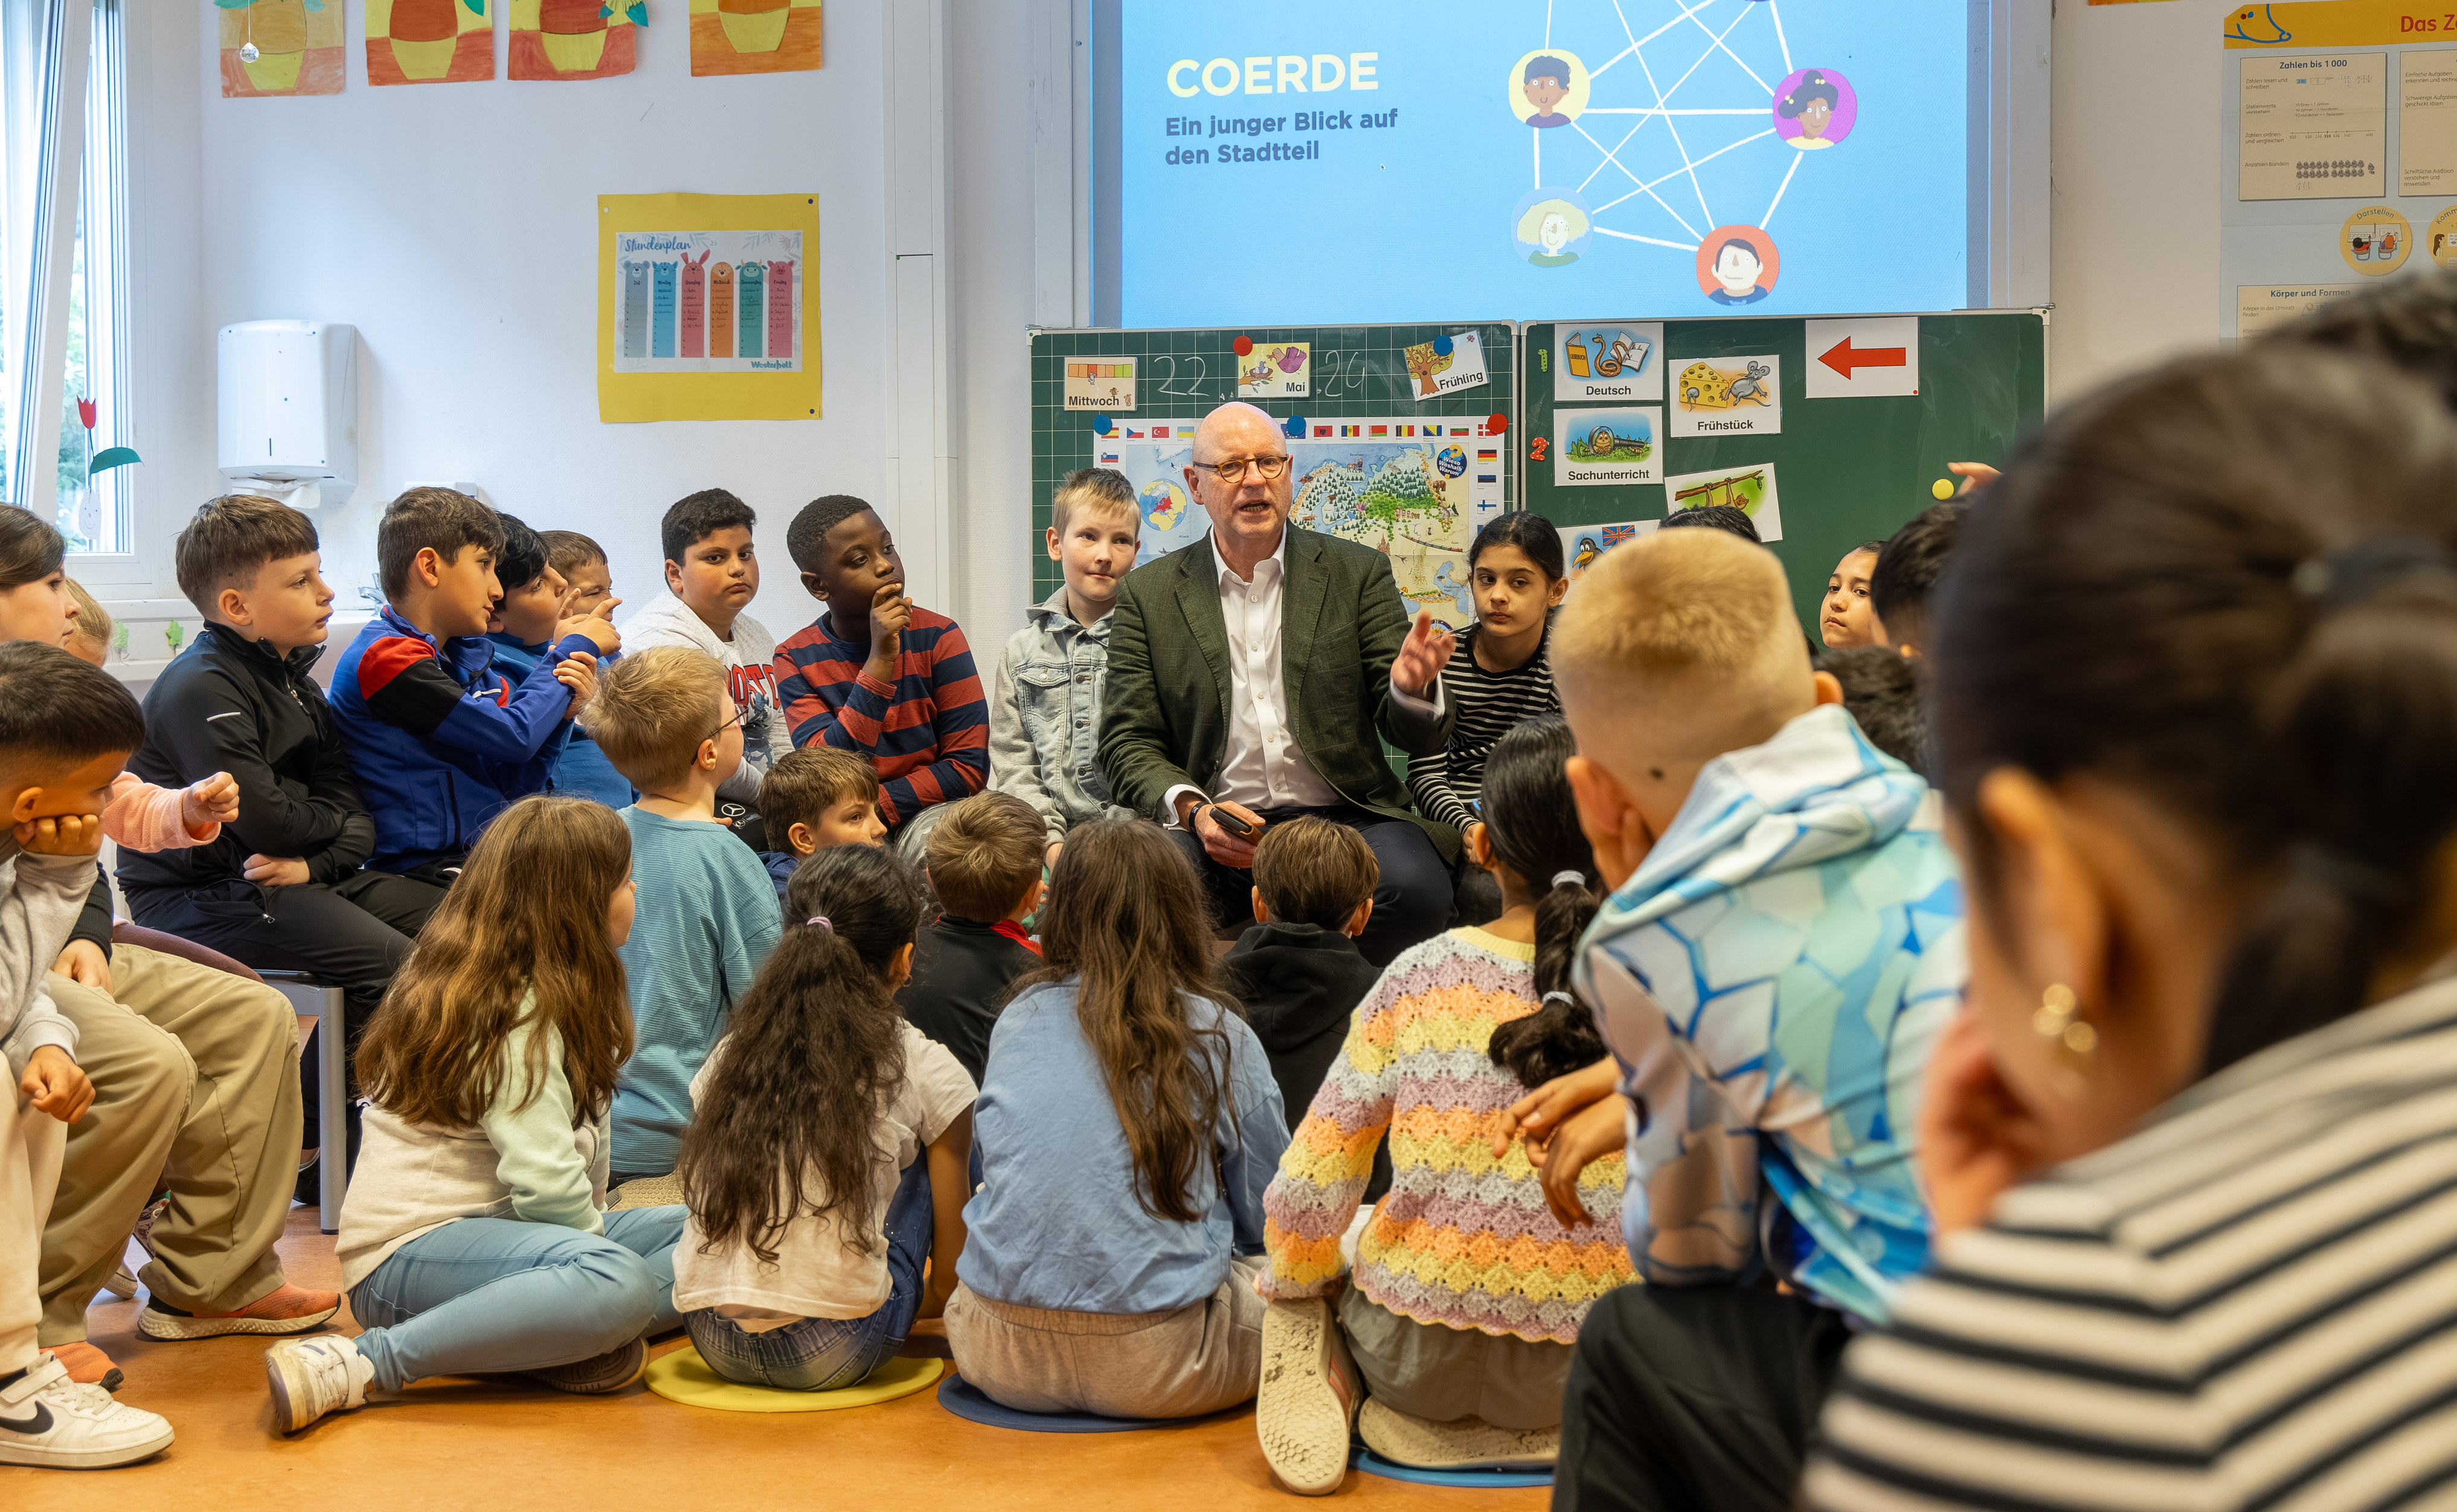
<point>738,712</point>
<point>1234,472</point>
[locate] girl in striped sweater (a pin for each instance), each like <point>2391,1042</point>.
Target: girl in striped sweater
<point>1468,1292</point>
<point>1499,679</point>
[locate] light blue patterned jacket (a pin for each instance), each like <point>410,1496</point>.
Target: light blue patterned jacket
<point>1770,981</point>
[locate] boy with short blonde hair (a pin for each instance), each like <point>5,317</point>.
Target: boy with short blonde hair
<point>1781,948</point>
<point>985,866</point>
<point>705,917</point>
<point>1045,695</point>
<point>812,799</point>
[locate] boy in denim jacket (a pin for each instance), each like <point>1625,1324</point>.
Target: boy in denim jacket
<point>1045,696</point>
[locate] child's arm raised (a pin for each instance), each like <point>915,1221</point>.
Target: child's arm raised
<point>951,1187</point>
<point>405,684</point>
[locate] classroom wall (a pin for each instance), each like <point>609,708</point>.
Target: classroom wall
<point>452,225</point>
<point>2134,183</point>
<point>448,223</point>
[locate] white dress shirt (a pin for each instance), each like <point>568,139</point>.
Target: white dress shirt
<point>1261,766</point>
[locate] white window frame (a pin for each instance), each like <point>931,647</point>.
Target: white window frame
<point>103,202</point>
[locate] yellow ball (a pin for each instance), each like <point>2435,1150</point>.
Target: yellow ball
<point>1942,488</point>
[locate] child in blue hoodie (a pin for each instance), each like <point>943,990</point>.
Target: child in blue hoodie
<point>441,742</point>
<point>1782,947</point>
<point>535,602</point>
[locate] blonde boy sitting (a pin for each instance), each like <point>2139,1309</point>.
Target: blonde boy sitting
<point>1783,945</point>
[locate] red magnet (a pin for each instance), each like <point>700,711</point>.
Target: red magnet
<point>1496,424</point>
<point>1243,346</point>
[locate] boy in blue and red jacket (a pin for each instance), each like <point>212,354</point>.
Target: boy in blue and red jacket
<point>440,740</point>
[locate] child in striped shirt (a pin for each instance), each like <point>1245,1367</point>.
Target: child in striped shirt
<point>1467,1290</point>
<point>1499,678</point>
<point>878,675</point>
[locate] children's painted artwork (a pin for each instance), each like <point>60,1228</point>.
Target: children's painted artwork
<point>1277,370</point>
<point>707,307</point>
<point>1750,488</point>
<point>429,41</point>
<point>1729,396</point>
<point>1582,544</point>
<point>1599,448</point>
<point>1446,364</point>
<point>280,46</point>
<point>1100,383</point>
<point>662,320</point>
<point>1604,361</point>
<point>575,39</point>
<point>754,36</point>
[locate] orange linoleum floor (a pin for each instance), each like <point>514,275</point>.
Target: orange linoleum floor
<point>504,1446</point>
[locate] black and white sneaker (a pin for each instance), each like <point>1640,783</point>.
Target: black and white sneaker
<point>51,1421</point>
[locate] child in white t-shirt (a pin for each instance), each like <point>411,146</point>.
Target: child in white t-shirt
<point>828,1150</point>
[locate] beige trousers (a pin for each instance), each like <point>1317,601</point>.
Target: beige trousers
<point>1203,1358</point>
<point>194,1072</point>
<point>30,1164</point>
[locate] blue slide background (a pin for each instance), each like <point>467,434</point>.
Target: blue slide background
<point>1413,222</point>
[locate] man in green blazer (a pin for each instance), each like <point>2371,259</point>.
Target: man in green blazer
<point>1250,677</point>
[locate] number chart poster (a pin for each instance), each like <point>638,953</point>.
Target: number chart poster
<point>707,307</point>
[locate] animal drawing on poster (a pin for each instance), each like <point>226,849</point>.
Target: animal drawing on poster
<point>661,341</point>
<point>720,311</point>
<point>694,306</point>
<point>1705,386</point>
<point>635,308</point>
<point>749,280</point>
<point>780,309</point>
<point>1452,578</point>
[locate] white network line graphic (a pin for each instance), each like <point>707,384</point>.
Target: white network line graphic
<point>1696,34</point>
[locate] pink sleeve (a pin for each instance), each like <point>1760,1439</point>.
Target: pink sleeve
<point>144,817</point>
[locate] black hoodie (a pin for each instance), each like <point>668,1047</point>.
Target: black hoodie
<point>1300,984</point>
<point>229,704</point>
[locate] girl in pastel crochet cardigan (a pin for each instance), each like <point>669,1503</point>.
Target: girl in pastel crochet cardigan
<point>1466,1292</point>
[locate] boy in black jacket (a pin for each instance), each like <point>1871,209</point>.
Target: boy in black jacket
<point>281,887</point>
<point>1298,971</point>
<point>985,866</point>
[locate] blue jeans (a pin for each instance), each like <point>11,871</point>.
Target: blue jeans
<point>480,1295</point>
<point>825,1354</point>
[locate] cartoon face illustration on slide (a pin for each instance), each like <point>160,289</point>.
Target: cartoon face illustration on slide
<point>1546,83</point>
<point>1548,87</point>
<point>1736,265</point>
<point>1815,108</point>
<point>1550,228</point>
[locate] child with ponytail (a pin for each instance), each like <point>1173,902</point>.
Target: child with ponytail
<point>1128,1123</point>
<point>1463,1353</point>
<point>474,1239</point>
<point>828,1148</point>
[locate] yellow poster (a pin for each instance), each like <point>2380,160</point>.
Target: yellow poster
<point>708,307</point>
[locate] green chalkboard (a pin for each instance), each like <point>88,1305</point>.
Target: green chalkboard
<point>1846,469</point>
<point>1355,372</point>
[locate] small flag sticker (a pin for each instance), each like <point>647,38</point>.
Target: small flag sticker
<point>1322,430</point>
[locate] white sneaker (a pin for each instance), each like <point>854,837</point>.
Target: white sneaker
<point>1470,1443</point>
<point>312,1377</point>
<point>123,1281</point>
<point>1307,1396</point>
<point>47,1420</point>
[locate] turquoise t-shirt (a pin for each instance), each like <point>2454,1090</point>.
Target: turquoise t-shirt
<point>705,919</point>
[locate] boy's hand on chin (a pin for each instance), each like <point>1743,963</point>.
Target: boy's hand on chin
<point>62,835</point>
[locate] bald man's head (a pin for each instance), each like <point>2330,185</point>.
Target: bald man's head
<point>1248,509</point>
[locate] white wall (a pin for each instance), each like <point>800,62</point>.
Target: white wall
<point>453,224</point>
<point>2134,175</point>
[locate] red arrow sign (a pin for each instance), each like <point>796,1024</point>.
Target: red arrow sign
<point>1845,357</point>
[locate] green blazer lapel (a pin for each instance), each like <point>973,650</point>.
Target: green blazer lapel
<point>1198,599</point>
<point>1301,598</point>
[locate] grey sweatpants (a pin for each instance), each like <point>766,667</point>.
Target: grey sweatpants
<point>1203,1358</point>
<point>1443,1374</point>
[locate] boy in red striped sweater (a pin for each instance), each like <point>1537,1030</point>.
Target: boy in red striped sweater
<point>879,676</point>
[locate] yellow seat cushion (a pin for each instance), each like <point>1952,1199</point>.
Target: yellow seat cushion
<point>684,1376</point>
